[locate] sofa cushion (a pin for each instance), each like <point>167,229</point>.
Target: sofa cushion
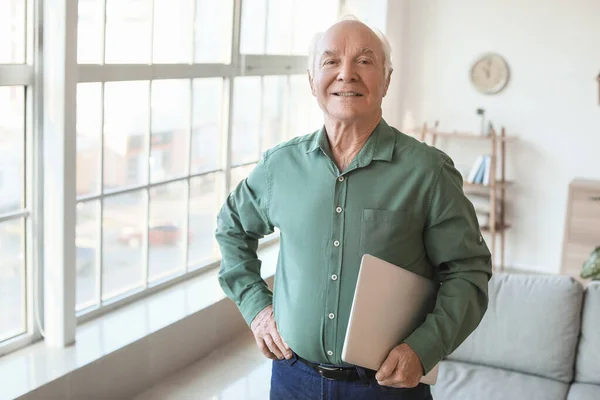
<point>583,391</point>
<point>587,366</point>
<point>531,326</point>
<point>462,381</point>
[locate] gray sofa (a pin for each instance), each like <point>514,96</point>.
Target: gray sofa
<point>540,339</point>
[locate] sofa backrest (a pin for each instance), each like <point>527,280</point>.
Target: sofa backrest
<point>531,325</point>
<point>587,366</point>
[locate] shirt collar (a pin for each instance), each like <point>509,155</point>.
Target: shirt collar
<point>319,141</point>
<point>385,143</point>
<point>380,145</point>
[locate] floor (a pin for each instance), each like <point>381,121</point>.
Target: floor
<point>235,372</point>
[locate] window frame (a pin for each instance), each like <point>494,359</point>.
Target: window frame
<point>25,75</point>
<point>51,233</point>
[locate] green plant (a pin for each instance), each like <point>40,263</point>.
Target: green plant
<point>591,268</point>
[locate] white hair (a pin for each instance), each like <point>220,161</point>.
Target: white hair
<point>385,44</point>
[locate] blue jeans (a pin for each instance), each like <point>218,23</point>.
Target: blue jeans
<point>294,380</point>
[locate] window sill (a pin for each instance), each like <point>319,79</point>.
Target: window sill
<point>38,364</point>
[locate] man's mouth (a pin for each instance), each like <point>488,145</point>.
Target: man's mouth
<point>347,94</point>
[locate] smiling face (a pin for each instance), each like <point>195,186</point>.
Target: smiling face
<point>349,79</point>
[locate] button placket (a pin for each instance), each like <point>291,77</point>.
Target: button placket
<point>333,294</point>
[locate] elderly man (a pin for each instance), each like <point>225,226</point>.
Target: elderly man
<point>355,186</point>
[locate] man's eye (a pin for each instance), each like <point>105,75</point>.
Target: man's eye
<point>329,62</point>
<point>364,61</point>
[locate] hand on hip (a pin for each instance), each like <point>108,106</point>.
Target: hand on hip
<point>267,336</point>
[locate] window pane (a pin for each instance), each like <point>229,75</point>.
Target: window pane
<point>13,314</point>
<point>166,235</point>
<point>90,31</point>
<point>306,22</point>
<point>238,174</point>
<point>12,31</point>
<point>305,114</point>
<point>206,124</point>
<point>173,33</point>
<point>123,234</point>
<point>12,142</point>
<point>274,103</point>
<point>89,128</point>
<point>125,134</point>
<point>170,127</point>
<point>86,243</point>
<point>213,31</point>
<point>204,205</point>
<point>246,120</point>
<point>279,27</point>
<point>290,25</point>
<point>128,31</point>
<point>252,39</point>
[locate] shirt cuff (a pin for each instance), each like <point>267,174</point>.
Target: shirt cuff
<point>427,348</point>
<point>255,302</point>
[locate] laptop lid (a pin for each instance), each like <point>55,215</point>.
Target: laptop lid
<point>389,303</point>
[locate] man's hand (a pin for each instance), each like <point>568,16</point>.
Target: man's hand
<point>402,368</point>
<point>267,336</point>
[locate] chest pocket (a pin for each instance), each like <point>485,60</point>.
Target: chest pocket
<point>387,234</point>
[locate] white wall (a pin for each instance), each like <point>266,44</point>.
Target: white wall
<point>550,103</point>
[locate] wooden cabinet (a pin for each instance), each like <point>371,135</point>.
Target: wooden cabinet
<point>582,225</point>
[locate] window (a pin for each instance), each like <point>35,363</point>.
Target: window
<point>16,163</point>
<point>283,26</point>
<point>13,31</point>
<point>172,110</point>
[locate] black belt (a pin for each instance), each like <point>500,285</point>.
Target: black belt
<point>338,373</point>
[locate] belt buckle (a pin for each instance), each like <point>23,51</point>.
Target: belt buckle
<point>329,372</point>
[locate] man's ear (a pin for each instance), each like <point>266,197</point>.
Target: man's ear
<point>310,82</point>
<point>387,83</point>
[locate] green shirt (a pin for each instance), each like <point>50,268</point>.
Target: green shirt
<point>399,199</point>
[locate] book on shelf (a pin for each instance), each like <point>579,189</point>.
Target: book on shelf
<point>480,172</point>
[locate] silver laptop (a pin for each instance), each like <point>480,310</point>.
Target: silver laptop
<point>390,302</point>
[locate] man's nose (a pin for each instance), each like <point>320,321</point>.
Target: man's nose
<point>347,72</point>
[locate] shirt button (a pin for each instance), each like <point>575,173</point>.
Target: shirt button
<point>334,277</point>
<point>336,243</point>
<point>338,210</point>
<point>331,316</point>
<point>330,353</point>
<point>341,179</point>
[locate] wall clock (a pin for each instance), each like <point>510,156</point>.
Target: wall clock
<point>490,73</point>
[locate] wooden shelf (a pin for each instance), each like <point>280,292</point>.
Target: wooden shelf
<point>499,185</point>
<point>496,199</point>
<point>467,135</point>
<point>498,228</point>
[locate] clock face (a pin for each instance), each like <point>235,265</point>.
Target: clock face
<point>490,74</point>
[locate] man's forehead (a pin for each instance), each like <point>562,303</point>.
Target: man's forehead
<point>360,50</point>
<point>343,40</point>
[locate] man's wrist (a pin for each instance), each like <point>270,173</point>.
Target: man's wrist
<point>254,304</point>
<point>260,316</point>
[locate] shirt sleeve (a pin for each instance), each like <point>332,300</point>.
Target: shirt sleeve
<point>462,261</point>
<point>241,222</point>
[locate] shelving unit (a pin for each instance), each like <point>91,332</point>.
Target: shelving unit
<point>497,187</point>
